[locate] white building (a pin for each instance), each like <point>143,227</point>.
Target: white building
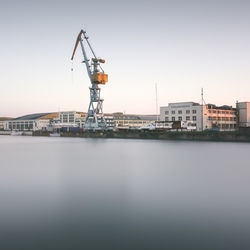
<point>70,119</point>
<point>45,121</point>
<point>183,111</point>
<point>31,122</point>
<point>132,121</point>
<point>204,117</point>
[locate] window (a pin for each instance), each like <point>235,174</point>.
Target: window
<point>194,118</point>
<point>187,118</point>
<point>166,112</point>
<point>187,111</point>
<point>173,119</point>
<point>179,112</point>
<point>194,111</point>
<point>173,112</point>
<point>179,118</point>
<point>166,118</point>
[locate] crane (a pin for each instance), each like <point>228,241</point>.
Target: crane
<point>95,118</point>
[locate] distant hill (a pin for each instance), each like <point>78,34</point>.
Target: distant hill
<point>6,118</point>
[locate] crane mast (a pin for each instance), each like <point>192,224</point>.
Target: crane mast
<point>95,118</point>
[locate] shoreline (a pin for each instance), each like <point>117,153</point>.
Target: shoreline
<point>215,136</point>
<point>158,135</point>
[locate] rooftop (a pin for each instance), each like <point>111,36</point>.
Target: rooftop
<point>32,116</point>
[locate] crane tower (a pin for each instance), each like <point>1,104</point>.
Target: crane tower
<point>95,117</point>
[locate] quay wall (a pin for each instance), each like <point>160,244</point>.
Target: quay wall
<point>158,134</point>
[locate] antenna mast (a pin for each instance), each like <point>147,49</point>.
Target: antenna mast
<point>156,102</point>
<point>203,103</point>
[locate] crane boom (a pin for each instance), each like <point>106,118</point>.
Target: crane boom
<point>76,44</point>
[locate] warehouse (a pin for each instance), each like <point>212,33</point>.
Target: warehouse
<point>30,122</point>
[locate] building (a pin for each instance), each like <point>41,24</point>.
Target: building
<point>223,118</point>
<point>132,121</point>
<point>243,109</point>
<point>109,118</point>
<point>204,117</point>
<point>2,119</point>
<point>72,118</point>
<point>46,121</point>
<point>183,111</point>
<point>31,122</point>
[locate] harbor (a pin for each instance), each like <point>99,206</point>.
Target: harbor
<point>125,125</point>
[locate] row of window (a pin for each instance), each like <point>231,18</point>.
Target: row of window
<point>210,118</point>
<point>173,112</point>
<point>227,126</point>
<point>188,118</point>
<point>220,112</point>
<point>132,122</point>
<point>20,126</point>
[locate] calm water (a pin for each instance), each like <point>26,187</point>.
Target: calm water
<point>72,193</point>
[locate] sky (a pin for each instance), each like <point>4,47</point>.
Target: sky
<point>180,45</point>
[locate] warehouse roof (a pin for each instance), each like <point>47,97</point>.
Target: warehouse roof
<point>32,116</point>
<point>121,116</point>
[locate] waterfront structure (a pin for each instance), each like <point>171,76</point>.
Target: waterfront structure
<point>183,111</point>
<point>132,121</point>
<point>243,109</point>
<point>176,125</point>
<point>46,121</point>
<point>204,117</point>
<point>110,123</point>
<point>222,118</point>
<point>67,120</point>
<point>72,117</point>
<point>31,122</point>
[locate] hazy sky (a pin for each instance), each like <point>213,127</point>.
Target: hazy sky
<point>180,45</point>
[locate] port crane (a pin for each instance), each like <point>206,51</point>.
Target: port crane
<point>95,118</point>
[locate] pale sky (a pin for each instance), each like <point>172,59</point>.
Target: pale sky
<point>181,45</point>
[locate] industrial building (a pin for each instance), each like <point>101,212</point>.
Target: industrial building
<point>132,121</point>
<point>43,121</point>
<point>31,122</point>
<point>68,119</point>
<point>204,117</point>
<point>244,113</point>
<point>222,118</point>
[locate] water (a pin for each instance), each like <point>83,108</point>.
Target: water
<point>74,193</point>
